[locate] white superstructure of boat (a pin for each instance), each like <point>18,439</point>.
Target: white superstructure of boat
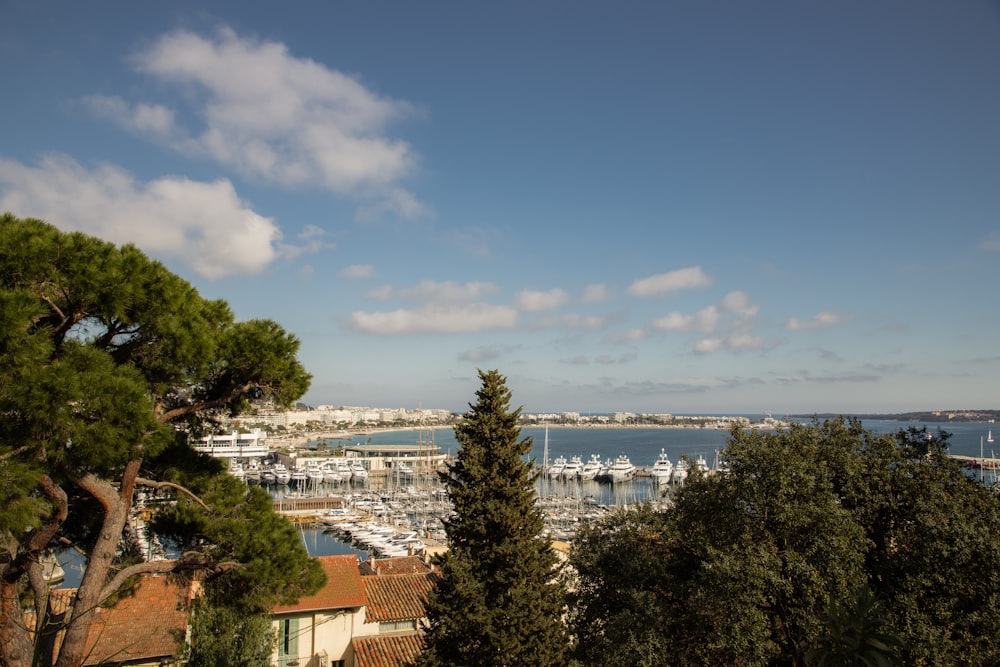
<point>331,475</point>
<point>662,469</point>
<point>591,468</point>
<point>622,469</point>
<point>281,474</point>
<point>358,472</point>
<point>557,467</point>
<point>572,468</point>
<point>680,472</point>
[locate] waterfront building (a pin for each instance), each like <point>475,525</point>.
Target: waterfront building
<point>234,446</point>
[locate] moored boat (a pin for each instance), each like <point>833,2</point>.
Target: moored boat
<point>572,468</point>
<point>557,467</point>
<point>662,469</point>
<point>622,470</point>
<point>591,468</point>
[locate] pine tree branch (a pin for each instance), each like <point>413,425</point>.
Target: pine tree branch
<point>153,484</point>
<point>189,561</point>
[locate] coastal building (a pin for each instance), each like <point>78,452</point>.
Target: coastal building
<point>234,445</point>
<point>355,620</point>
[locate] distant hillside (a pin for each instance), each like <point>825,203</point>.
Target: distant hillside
<point>929,416</point>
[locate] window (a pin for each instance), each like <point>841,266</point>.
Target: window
<point>396,626</point>
<point>288,637</point>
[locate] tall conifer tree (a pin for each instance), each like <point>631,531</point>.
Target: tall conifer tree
<point>499,602</point>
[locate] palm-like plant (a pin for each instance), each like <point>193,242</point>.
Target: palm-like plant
<point>857,634</point>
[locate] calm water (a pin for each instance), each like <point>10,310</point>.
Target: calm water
<point>643,445</point>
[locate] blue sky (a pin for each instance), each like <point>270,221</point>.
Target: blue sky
<point>643,206</point>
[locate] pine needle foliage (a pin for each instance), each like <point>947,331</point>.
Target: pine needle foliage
<point>499,602</point>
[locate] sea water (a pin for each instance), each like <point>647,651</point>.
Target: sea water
<point>641,445</point>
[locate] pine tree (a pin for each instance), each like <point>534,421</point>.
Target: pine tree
<point>499,602</point>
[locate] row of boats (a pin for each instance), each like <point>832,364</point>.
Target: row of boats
<point>386,541</point>
<point>278,473</point>
<point>621,469</point>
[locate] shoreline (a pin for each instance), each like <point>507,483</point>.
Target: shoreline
<point>299,440</point>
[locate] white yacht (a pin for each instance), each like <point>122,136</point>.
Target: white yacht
<point>299,476</point>
<point>662,469</point>
<point>622,470</point>
<point>680,472</point>
<point>358,472</point>
<point>344,468</point>
<point>591,468</point>
<point>572,469</point>
<point>331,475</point>
<point>557,467</point>
<point>281,474</point>
<point>314,473</point>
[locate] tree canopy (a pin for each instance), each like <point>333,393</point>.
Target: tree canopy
<point>817,541</point>
<point>109,363</point>
<point>499,602</point>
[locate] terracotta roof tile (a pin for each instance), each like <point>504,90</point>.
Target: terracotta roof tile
<point>388,651</point>
<point>342,590</point>
<point>398,565</point>
<point>151,623</point>
<point>398,597</point>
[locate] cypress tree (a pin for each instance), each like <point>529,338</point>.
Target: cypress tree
<point>499,602</point>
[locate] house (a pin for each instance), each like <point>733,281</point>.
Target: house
<point>367,615</point>
<point>317,630</point>
<point>147,627</point>
<point>396,590</point>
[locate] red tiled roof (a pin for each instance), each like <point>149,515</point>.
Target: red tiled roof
<point>398,597</point>
<point>342,590</point>
<point>388,651</point>
<point>149,624</point>
<point>398,565</point>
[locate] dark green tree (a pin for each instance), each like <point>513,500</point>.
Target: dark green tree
<point>108,364</point>
<point>224,635</point>
<point>747,564</point>
<point>500,602</point>
<point>856,636</point>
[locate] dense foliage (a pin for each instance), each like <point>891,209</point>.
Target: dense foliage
<point>749,564</point>
<point>499,602</point>
<point>224,635</point>
<point>108,364</point>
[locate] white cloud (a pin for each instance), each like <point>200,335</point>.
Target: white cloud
<point>705,321</point>
<point>728,325</point>
<point>152,119</point>
<point>595,293</point>
<point>818,321</point>
<point>274,117</point>
<point>739,302</point>
<point>531,300</point>
<point>435,319</point>
<point>707,345</point>
<point>312,237</point>
<point>357,271</point>
<point>674,322</point>
<point>672,281</point>
<point>203,225</point>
